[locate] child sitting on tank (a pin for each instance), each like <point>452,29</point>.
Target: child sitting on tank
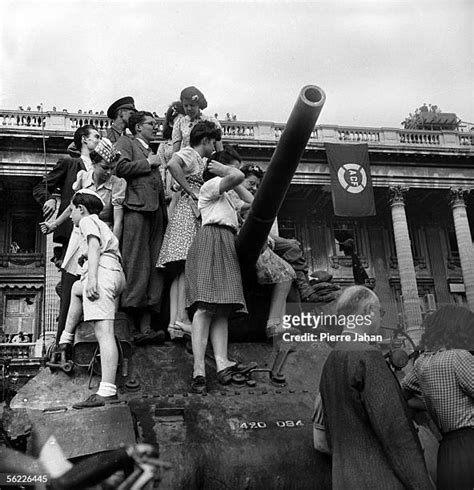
<point>96,295</point>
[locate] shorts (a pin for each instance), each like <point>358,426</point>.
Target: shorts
<point>110,284</point>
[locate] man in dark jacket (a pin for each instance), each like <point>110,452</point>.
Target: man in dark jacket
<point>58,182</point>
<point>144,224</point>
<point>372,440</point>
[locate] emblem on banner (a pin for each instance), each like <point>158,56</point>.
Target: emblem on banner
<point>352,178</point>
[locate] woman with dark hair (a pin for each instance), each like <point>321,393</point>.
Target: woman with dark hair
<point>186,166</point>
<point>165,150</point>
<point>194,102</point>
<point>271,269</point>
<point>444,376</point>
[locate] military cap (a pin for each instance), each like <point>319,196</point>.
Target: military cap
<point>123,103</point>
<point>194,94</point>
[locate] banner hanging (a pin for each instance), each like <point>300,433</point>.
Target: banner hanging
<point>351,182</point>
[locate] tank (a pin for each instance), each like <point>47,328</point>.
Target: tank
<point>254,433</point>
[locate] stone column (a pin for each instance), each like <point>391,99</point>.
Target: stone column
<point>464,239</point>
<point>406,267</point>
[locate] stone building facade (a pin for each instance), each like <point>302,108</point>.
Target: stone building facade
<point>418,247</point>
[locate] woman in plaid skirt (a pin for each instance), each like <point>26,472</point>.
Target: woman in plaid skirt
<point>213,281</point>
<point>444,376</point>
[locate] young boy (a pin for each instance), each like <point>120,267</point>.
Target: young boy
<point>96,294</point>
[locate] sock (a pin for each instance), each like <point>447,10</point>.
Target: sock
<point>66,338</point>
<point>107,389</point>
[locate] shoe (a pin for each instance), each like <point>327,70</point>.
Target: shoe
<point>176,330</point>
<point>225,375</point>
<point>275,328</point>
<point>151,337</point>
<point>199,384</point>
<point>95,401</point>
<point>185,327</point>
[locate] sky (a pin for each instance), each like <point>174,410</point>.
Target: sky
<point>376,60</point>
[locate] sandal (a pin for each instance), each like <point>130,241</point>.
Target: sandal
<point>275,328</point>
<point>225,375</point>
<point>199,384</point>
<point>178,330</point>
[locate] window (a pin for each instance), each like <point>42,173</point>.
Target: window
<point>342,232</point>
<point>287,229</point>
<point>21,316</point>
<point>452,243</point>
<point>23,236</point>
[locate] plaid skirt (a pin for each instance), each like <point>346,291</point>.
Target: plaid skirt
<point>213,272</point>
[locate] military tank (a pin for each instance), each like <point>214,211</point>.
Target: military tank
<point>254,433</point>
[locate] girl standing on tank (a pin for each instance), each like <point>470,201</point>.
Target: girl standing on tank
<point>186,166</point>
<point>213,279</point>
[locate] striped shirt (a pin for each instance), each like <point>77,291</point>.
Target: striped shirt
<point>445,380</point>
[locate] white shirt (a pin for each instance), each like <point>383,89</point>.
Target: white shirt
<point>216,208</point>
<point>87,162</point>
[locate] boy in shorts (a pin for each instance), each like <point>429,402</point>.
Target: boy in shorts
<point>96,294</point>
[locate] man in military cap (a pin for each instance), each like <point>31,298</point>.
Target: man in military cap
<point>120,111</point>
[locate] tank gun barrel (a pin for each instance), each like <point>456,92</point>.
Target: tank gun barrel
<point>277,179</point>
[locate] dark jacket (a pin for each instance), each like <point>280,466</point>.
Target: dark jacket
<point>144,185</point>
<point>59,181</point>
<point>373,442</point>
<point>113,134</point>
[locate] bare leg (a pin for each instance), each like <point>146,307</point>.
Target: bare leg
<point>181,314</point>
<point>278,300</point>
<point>104,331</point>
<point>219,333</point>
<point>199,335</point>
<point>174,301</point>
<point>74,313</point>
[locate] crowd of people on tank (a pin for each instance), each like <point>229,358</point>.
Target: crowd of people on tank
<point>143,231</point>
<point>130,224</point>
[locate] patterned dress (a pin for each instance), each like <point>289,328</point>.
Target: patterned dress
<point>183,224</point>
<point>270,268</point>
<point>182,128</point>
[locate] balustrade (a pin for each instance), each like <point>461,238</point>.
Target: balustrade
<point>419,138</point>
<point>357,135</point>
<point>53,121</point>
<point>237,130</point>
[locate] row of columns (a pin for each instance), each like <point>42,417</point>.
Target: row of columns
<point>406,267</point>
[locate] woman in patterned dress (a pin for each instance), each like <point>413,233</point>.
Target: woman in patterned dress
<point>193,102</point>
<point>165,152</point>
<point>186,166</point>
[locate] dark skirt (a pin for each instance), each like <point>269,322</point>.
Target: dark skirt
<point>456,460</point>
<point>213,272</point>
